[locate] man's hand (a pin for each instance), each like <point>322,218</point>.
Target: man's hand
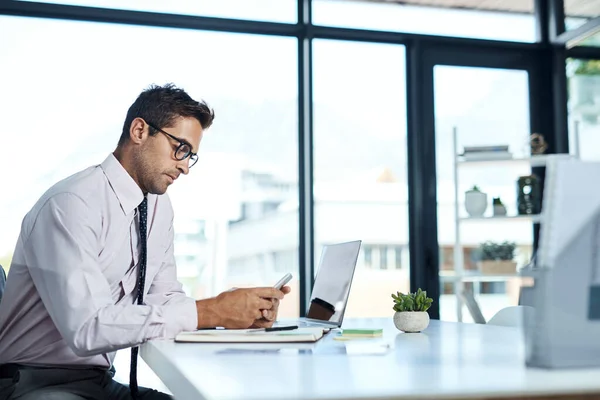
<point>237,308</point>
<point>270,315</point>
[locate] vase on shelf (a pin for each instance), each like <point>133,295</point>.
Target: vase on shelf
<point>498,208</point>
<point>475,202</point>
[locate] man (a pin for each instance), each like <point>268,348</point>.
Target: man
<point>94,271</point>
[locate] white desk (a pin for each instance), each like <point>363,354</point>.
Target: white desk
<point>448,360</point>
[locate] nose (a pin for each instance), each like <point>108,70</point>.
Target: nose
<point>183,166</point>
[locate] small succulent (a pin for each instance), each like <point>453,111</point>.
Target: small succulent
<point>417,301</point>
<point>497,251</point>
<point>475,188</point>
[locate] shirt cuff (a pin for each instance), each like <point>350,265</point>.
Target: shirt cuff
<point>181,317</point>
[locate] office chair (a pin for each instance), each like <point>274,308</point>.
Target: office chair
<point>512,316</point>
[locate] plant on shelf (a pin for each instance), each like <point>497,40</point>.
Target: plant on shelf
<point>498,207</point>
<point>411,310</point>
<point>475,201</point>
<point>497,258</point>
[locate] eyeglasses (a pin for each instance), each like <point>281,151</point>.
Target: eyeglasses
<point>183,151</point>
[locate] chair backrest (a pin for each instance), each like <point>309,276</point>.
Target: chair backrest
<point>2,281</point>
<point>512,316</point>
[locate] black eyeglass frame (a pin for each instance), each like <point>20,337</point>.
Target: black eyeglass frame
<point>193,156</point>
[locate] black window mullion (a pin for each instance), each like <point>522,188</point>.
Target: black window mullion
<point>305,157</point>
<point>422,203</point>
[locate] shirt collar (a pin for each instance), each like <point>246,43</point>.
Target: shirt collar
<point>127,191</point>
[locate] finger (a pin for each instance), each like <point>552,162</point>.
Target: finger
<point>269,292</point>
<point>262,323</point>
<point>286,289</point>
<point>265,304</point>
<point>269,315</point>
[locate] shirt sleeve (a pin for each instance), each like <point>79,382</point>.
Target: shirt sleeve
<point>166,290</point>
<point>61,251</point>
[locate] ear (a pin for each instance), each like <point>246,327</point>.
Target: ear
<point>138,131</point>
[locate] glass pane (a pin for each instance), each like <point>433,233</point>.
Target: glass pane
<point>360,165</point>
<point>584,107</point>
<point>487,107</point>
<point>513,21</point>
<point>578,12</point>
<point>236,212</point>
<point>259,10</point>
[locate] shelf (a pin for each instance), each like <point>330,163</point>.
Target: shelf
<point>534,161</point>
<point>534,218</point>
<point>478,277</point>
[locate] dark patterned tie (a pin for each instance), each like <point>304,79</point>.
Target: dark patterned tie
<point>143,213</point>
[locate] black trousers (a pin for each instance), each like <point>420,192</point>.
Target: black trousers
<point>29,383</point>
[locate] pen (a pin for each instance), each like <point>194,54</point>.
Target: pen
<point>275,329</point>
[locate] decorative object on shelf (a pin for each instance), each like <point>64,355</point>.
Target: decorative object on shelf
<point>481,153</point>
<point>499,208</point>
<point>529,195</point>
<point>497,258</point>
<point>537,144</point>
<point>411,311</point>
<point>475,202</point>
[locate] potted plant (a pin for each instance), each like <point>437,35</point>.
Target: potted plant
<point>499,207</point>
<point>475,202</point>
<point>411,311</point>
<point>584,82</point>
<point>497,258</point>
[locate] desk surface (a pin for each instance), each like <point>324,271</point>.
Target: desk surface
<point>447,360</point>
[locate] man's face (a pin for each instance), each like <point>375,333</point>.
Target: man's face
<point>157,165</point>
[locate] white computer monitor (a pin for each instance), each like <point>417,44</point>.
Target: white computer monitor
<point>566,294</point>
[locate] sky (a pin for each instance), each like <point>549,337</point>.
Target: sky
<point>67,86</point>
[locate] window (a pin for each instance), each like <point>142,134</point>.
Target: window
<point>361,191</point>
<point>398,257</point>
<point>262,10</point>
<point>368,255</point>
<point>75,105</point>
<point>578,12</point>
<point>383,257</point>
<point>584,107</point>
<point>498,20</point>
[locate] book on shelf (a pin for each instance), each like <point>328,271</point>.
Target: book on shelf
<point>250,336</point>
<point>486,149</point>
<point>487,155</point>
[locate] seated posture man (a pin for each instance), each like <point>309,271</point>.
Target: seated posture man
<point>94,271</point>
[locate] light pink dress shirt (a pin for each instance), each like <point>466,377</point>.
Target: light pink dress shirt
<point>70,293</point>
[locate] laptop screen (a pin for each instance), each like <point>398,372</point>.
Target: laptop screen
<point>332,284</point>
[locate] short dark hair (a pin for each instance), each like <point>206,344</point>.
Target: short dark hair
<point>162,105</point>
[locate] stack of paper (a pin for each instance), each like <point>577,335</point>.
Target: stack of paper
<point>251,336</point>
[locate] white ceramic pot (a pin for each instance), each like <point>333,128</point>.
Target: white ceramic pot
<point>411,321</point>
<point>475,203</point>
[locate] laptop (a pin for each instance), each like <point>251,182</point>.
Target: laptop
<point>331,289</point>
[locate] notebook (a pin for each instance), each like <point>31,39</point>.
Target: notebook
<point>250,336</point>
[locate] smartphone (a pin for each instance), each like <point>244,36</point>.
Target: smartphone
<point>286,278</point>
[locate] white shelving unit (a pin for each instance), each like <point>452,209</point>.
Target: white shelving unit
<point>459,276</point>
